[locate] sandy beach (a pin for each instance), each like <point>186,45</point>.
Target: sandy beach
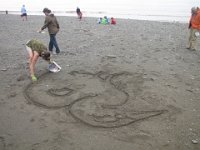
<point>130,86</point>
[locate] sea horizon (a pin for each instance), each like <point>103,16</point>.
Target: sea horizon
<point>165,10</point>
<point>161,18</point>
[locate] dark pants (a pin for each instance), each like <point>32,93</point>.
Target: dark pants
<point>53,42</point>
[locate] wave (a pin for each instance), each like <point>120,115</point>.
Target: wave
<point>97,14</point>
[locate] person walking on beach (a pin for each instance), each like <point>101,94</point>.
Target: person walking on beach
<point>53,27</point>
<point>79,13</point>
<point>23,13</point>
<point>194,26</point>
<point>35,50</point>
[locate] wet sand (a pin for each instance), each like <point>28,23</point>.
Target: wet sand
<point>130,86</point>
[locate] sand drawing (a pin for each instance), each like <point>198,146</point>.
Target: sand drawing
<point>94,99</point>
<point>2,143</point>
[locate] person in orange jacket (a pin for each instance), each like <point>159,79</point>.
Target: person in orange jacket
<point>194,26</point>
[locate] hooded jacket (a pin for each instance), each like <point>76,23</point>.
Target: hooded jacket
<point>51,23</point>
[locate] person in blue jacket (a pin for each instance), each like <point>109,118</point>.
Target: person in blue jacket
<point>23,13</point>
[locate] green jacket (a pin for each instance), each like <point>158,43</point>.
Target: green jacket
<point>104,21</point>
<point>37,46</point>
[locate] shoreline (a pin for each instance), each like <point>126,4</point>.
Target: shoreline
<point>159,18</point>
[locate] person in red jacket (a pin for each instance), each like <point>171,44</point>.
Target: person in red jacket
<point>113,21</point>
<point>194,26</point>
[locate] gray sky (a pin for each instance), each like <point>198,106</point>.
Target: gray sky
<point>89,4</point>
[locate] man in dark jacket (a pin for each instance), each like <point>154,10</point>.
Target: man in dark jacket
<point>53,27</point>
<point>79,13</point>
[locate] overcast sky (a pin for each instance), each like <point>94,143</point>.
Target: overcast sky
<point>95,4</point>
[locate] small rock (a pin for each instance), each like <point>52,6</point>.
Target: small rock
<point>111,56</point>
<point>11,95</point>
<point>4,69</point>
<point>20,78</point>
<point>32,120</point>
<point>195,141</point>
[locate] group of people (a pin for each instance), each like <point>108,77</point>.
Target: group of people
<point>194,26</point>
<point>105,20</point>
<point>37,49</point>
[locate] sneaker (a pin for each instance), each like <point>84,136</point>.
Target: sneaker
<point>191,49</point>
<point>33,78</point>
<point>57,52</point>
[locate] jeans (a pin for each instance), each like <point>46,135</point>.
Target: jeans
<point>53,42</point>
<point>193,39</point>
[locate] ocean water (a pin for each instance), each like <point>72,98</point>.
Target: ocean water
<point>160,10</point>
